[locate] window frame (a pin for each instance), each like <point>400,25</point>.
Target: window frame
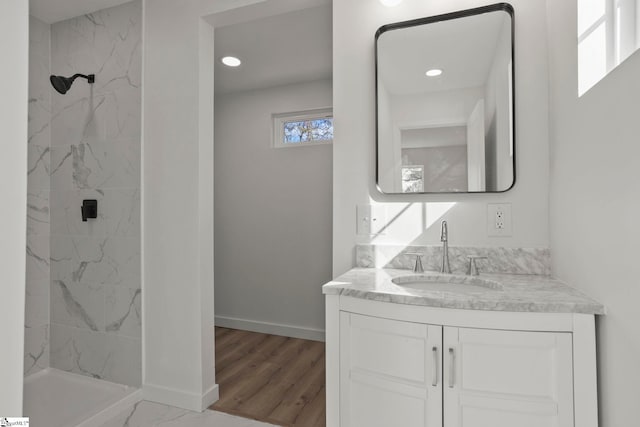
<point>619,44</point>
<point>279,119</point>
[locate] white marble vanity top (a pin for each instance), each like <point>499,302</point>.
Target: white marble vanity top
<point>517,293</point>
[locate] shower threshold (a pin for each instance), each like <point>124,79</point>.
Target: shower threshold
<point>54,398</point>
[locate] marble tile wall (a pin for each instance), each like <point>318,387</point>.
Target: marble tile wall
<point>36,351</point>
<point>95,154</point>
<point>499,260</point>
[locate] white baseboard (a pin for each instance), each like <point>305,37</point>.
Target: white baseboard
<point>180,398</point>
<point>270,328</point>
<point>211,396</point>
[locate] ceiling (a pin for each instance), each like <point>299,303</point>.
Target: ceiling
<point>463,48</point>
<point>51,11</point>
<point>287,48</point>
<point>279,41</point>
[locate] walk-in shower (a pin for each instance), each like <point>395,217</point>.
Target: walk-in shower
<point>83,320</point>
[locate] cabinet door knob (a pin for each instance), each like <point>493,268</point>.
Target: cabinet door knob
<point>434,373</point>
<point>452,368</point>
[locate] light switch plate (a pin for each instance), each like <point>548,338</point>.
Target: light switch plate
<point>371,219</point>
<point>499,220</point>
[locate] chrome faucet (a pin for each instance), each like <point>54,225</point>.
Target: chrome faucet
<point>444,238</point>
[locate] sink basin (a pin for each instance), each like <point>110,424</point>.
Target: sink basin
<point>447,283</point>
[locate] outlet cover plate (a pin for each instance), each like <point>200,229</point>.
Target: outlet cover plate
<point>499,220</point>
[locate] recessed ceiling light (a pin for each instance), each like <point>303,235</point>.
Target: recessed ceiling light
<point>231,61</point>
<point>390,3</point>
<point>434,72</point>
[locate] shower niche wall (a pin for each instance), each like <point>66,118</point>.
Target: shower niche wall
<point>83,278</point>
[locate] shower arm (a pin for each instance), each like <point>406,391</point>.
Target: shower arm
<point>91,78</point>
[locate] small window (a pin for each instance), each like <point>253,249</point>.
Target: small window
<point>608,32</point>
<point>413,179</point>
<point>303,128</point>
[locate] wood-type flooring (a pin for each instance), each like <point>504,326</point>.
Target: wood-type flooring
<point>270,378</point>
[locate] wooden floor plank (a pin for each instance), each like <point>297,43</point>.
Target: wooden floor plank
<point>238,349</point>
<point>273,392</point>
<point>245,364</point>
<point>304,393</point>
<point>279,380</point>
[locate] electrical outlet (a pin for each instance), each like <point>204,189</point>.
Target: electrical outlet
<point>499,219</point>
<point>371,219</point>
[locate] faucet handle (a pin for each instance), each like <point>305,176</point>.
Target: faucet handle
<point>417,267</point>
<point>472,268</point>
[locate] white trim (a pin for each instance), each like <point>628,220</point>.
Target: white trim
<point>180,398</point>
<point>585,371</point>
<point>278,120</point>
<point>211,396</point>
<point>271,328</point>
<point>143,195</point>
<point>332,364</point>
<point>433,124</point>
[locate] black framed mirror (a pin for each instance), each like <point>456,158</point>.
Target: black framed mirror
<point>445,103</point>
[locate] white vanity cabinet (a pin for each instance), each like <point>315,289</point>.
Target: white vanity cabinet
<point>404,365</point>
<point>390,372</point>
<point>502,378</point>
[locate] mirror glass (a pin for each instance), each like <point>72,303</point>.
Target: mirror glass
<point>444,103</point>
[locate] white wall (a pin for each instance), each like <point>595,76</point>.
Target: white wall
<point>390,158</point>
<point>14,47</point>
<point>498,114</point>
<point>354,26</point>
<point>407,111</point>
<point>595,206</point>
<point>178,358</point>
<point>437,108</point>
<point>445,168</point>
<point>273,214</point>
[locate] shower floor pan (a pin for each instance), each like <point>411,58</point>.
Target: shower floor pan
<point>54,398</point>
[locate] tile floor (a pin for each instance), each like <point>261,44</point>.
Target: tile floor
<point>148,414</point>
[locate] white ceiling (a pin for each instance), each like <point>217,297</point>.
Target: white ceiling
<point>463,48</point>
<point>231,12</point>
<point>287,48</point>
<point>51,11</point>
<point>279,41</point>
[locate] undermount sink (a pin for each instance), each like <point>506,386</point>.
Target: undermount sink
<point>447,283</point>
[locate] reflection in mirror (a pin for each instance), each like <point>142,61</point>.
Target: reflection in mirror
<point>445,103</point>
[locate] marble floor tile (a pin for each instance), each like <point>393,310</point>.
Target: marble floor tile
<point>148,414</point>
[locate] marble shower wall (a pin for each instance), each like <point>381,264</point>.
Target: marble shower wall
<point>95,154</point>
<point>36,351</point>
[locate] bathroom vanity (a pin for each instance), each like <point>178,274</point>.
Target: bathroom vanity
<point>407,349</point>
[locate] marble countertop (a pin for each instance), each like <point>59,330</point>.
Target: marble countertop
<point>506,292</point>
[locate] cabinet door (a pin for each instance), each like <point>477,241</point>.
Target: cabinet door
<point>507,378</point>
<point>390,373</point>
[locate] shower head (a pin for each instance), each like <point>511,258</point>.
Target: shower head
<point>63,84</point>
